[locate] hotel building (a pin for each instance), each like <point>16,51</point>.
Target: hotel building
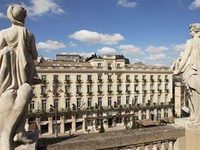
<point>78,95</point>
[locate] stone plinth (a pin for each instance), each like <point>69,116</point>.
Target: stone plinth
<point>192,137</point>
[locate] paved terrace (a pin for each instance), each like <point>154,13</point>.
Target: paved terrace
<point>113,139</point>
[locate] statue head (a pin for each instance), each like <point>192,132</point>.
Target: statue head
<point>195,29</point>
<point>17,14</point>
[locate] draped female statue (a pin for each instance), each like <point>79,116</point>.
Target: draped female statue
<point>188,66</point>
<point>17,74</point>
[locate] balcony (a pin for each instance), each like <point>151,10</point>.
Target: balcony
<point>152,80</point>
<point>136,80</point>
<point>44,81</point>
<point>67,81</point>
<point>160,80</point>
<point>79,93</point>
<point>159,90</point>
<point>119,80</point>
<point>136,91</point>
<point>100,92</point>
<point>128,91</point>
<point>167,90</point>
<point>78,81</point>
<point>55,94</point>
<point>67,94</point>
<point>119,92</point>
<point>109,80</point>
<point>166,80</point>
<point>110,91</point>
<point>56,81</point>
<point>89,81</point>
<point>128,80</point>
<point>144,91</point>
<point>43,94</point>
<point>152,90</point>
<point>144,80</point>
<point>90,93</point>
<point>100,80</point>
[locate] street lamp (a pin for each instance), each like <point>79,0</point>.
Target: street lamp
<point>56,115</point>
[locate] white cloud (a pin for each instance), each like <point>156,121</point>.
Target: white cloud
<point>155,50</point>
<point>92,37</point>
<point>50,45</point>
<point>127,3</point>
<point>179,47</point>
<point>156,57</point>
<point>132,49</point>
<point>41,7</point>
<point>106,51</point>
<point>2,15</point>
<point>195,4</point>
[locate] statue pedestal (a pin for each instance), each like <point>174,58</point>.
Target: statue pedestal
<point>32,146</point>
<point>192,137</point>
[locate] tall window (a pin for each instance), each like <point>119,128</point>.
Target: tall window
<point>99,88</point>
<point>67,103</point>
<point>67,89</point>
<point>127,100</point>
<point>55,78</point>
<point>78,88</point>
<point>89,77</point>
<point>78,77</point>
<point>32,105</point>
<point>99,65</point>
<point>109,66</point>
<point>127,87</point>
<point>78,100</point>
<point>118,65</point>
<point>109,77</point>
<point>99,76</point>
<point>43,77</point>
<point>43,90</point>
<point>99,101</point>
<point>119,87</point>
<point>67,77</point>
<point>89,102</point>
<point>44,104</point>
<point>119,100</point>
<point>89,88</point>
<point>109,101</point>
<point>127,77</point>
<point>56,103</point>
<point>109,87</point>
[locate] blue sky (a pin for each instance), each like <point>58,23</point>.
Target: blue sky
<point>151,31</point>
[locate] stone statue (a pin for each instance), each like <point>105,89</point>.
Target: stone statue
<point>188,67</point>
<point>17,74</point>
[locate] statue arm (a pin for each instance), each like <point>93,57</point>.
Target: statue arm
<point>33,48</point>
<point>185,57</point>
<point>2,41</point>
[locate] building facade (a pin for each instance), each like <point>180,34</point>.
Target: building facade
<point>78,95</point>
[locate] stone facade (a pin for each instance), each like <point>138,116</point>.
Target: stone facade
<point>79,89</point>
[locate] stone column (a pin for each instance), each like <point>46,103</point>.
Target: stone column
<point>50,125</point>
<point>170,114</point>
<point>139,114</point>
<point>37,120</point>
<point>162,147</point>
<point>84,123</point>
<point>62,124</point>
<point>147,114</point>
<point>171,145</point>
<point>162,112</point>
<point>73,123</point>
<point>155,114</point>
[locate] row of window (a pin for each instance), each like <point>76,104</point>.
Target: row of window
<point>109,77</point>
<point>110,102</point>
<point>100,87</point>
